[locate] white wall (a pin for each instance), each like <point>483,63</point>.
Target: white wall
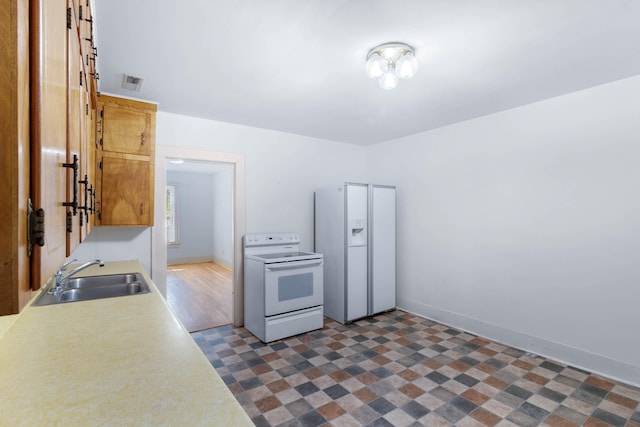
<point>195,207</point>
<point>524,226</point>
<point>222,217</point>
<point>116,244</point>
<point>282,170</point>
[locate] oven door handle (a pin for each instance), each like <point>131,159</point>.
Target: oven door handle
<point>292,265</point>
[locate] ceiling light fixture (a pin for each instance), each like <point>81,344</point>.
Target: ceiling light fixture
<point>391,62</point>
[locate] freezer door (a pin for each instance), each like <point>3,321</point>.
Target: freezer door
<point>382,242</point>
<point>357,288</point>
<point>357,206</point>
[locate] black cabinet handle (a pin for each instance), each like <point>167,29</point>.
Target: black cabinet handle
<point>93,201</point>
<point>86,208</point>
<point>74,203</point>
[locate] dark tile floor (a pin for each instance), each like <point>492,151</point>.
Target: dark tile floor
<point>398,369</point>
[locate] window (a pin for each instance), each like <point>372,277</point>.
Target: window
<point>171,214</point>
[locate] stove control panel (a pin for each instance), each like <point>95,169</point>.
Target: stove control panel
<point>268,239</point>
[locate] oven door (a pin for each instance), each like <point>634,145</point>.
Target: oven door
<point>292,286</point>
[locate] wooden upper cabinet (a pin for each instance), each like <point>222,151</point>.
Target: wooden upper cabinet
<point>44,123</point>
<point>74,132</point>
<point>126,161</point>
<point>49,79</point>
<point>88,49</point>
<point>126,130</point>
<point>81,109</point>
<point>85,24</point>
<point>58,131</point>
<point>87,162</point>
<point>15,289</point>
<point>127,198</point>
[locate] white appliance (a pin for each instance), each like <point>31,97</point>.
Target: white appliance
<point>283,287</point>
<point>355,229</point>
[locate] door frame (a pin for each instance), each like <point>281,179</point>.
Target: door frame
<point>158,238</point>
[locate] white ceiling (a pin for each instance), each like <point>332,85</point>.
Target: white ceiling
<point>298,66</point>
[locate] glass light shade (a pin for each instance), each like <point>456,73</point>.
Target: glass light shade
<point>407,66</point>
<point>391,53</point>
<point>376,66</point>
<point>389,80</point>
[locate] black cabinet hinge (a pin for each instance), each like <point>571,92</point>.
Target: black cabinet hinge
<point>69,18</point>
<point>69,222</point>
<point>35,227</point>
<point>81,78</point>
<point>100,164</point>
<point>86,109</point>
<point>80,12</point>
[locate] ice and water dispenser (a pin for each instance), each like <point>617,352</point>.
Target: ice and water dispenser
<point>357,232</point>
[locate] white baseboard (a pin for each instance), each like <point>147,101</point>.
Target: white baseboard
<point>223,262</point>
<point>192,260</point>
<point>602,365</point>
<point>189,260</point>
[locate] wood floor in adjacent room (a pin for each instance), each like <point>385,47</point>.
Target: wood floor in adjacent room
<point>200,294</point>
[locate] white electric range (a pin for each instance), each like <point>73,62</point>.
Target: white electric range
<point>283,287</point>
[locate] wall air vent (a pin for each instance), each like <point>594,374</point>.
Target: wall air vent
<point>132,82</point>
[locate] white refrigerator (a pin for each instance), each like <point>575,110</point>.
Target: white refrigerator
<point>355,229</point>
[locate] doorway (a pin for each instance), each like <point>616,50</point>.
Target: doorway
<point>159,239</point>
<point>199,214</point>
<point>200,294</point>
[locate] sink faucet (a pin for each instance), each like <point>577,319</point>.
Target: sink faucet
<point>61,278</point>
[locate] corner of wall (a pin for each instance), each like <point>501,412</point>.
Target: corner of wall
<point>579,358</point>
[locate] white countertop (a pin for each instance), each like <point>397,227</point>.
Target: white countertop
<point>114,361</point>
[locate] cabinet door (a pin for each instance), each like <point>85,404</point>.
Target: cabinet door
<point>74,130</point>
<point>126,130</point>
<point>49,132</point>
<point>87,159</point>
<point>85,23</point>
<point>126,191</point>
<point>85,175</point>
<point>15,289</point>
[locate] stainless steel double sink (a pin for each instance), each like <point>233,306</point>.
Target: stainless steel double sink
<point>95,287</point>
